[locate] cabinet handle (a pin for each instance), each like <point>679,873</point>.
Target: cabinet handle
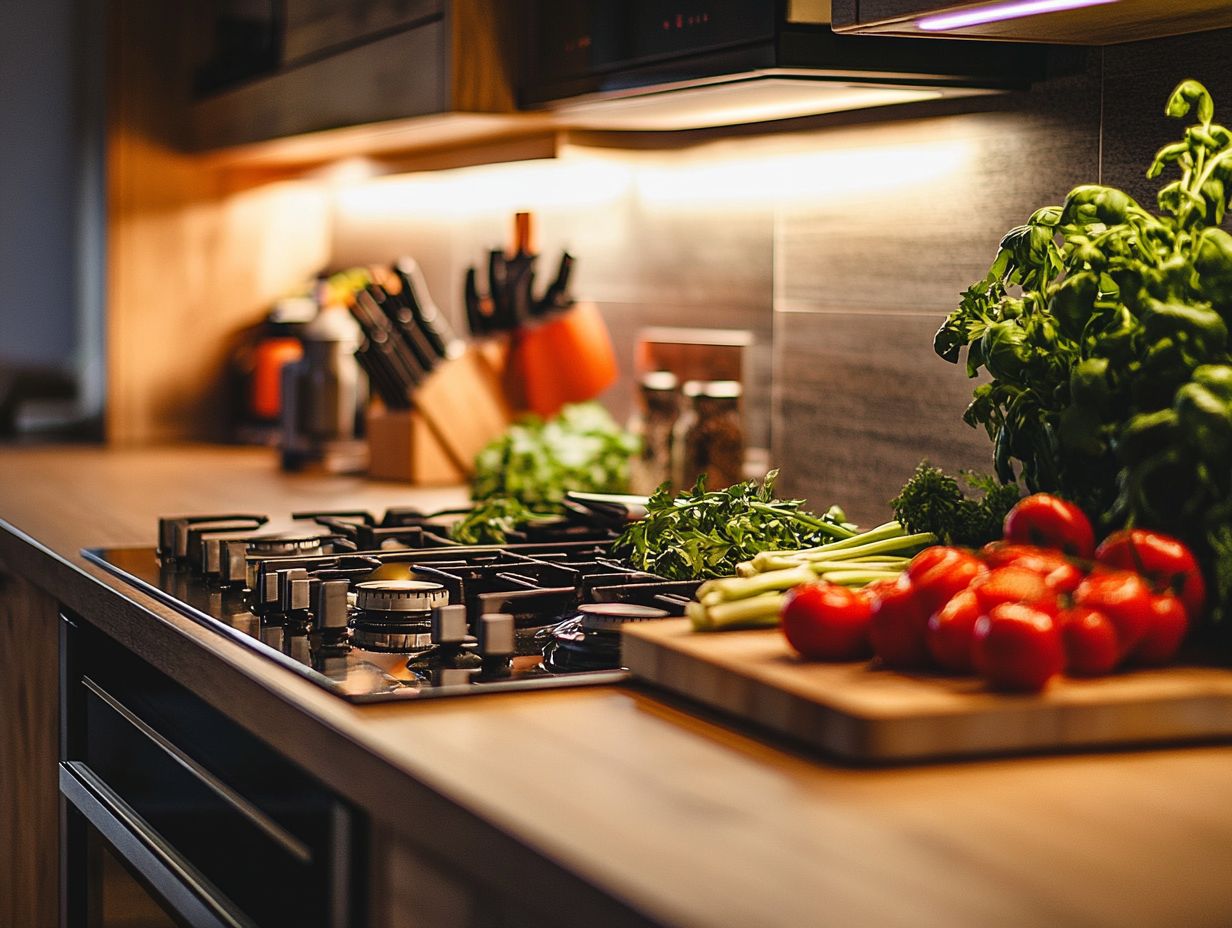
<point>242,806</point>
<point>189,894</point>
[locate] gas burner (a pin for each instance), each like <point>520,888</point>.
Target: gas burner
<point>399,596</point>
<point>610,616</point>
<point>287,544</point>
<point>589,639</point>
<point>395,616</point>
<point>383,607</point>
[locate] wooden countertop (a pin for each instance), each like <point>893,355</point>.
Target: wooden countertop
<point>620,793</point>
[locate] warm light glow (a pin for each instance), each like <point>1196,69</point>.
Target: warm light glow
<point>800,176</point>
<point>496,188</point>
<point>583,180</point>
<point>735,103</point>
<point>346,171</point>
<point>997,12</point>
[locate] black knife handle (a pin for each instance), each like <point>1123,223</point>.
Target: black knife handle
<point>428,316</point>
<point>402,322</point>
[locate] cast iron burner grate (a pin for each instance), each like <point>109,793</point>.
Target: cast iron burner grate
<point>391,608</point>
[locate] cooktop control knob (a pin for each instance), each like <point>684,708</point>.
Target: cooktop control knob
<point>234,566</point>
<point>292,589</point>
<point>399,596</point>
<point>449,625</point>
<point>496,635</point>
<point>330,607</point>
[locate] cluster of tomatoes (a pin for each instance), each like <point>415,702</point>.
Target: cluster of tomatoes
<point>1043,601</point>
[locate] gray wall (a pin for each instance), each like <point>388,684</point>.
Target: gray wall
<point>844,282</point>
<point>859,397</point>
<point>51,182</point>
<point>37,182</point>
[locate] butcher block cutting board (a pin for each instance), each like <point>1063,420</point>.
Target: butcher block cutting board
<point>861,713</point>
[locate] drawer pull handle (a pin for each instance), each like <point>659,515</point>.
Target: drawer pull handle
<point>255,816</point>
<point>192,897</point>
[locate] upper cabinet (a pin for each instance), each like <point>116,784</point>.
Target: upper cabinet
<point>1079,22</point>
<point>288,68</point>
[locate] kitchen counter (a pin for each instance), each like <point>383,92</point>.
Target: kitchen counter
<point>605,805</point>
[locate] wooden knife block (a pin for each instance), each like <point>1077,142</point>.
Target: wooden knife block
<point>402,447</point>
<point>458,409</point>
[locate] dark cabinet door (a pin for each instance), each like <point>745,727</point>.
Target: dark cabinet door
<point>218,827</point>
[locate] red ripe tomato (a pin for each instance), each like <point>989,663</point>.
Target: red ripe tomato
<point>1004,553</point>
<point>1123,597</point>
<point>950,632</point>
<point>1056,569</point>
<point>1017,647</point>
<point>826,622</point>
<point>1164,560</point>
<point>1051,522</point>
<point>1090,639</point>
<point>898,626</point>
<point>937,573</point>
<point>1012,585</point>
<point>1163,638</point>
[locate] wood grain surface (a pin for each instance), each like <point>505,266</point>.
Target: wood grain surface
<point>29,750</point>
<point>862,713</point>
<point>620,806</point>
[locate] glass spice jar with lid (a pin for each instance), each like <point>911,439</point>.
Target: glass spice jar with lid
<point>709,436</point>
<point>659,408</point>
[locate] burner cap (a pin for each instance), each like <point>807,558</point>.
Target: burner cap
<point>399,596</point>
<point>285,544</point>
<point>607,616</point>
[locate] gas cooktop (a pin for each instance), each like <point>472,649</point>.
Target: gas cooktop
<point>391,608</point>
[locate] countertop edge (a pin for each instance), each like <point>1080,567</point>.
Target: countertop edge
<point>351,767</point>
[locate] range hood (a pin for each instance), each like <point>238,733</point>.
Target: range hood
<point>1084,22</point>
<point>687,64</point>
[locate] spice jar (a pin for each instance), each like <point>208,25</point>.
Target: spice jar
<point>708,437</point>
<point>659,401</point>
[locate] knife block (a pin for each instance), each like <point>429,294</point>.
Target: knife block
<point>402,447</point>
<point>458,409</point>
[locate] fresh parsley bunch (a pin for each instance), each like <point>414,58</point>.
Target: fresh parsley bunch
<point>701,534</point>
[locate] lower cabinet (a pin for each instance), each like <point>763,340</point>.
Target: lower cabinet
<point>172,813</point>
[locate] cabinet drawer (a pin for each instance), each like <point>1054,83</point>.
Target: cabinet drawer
<point>313,26</point>
<point>273,842</point>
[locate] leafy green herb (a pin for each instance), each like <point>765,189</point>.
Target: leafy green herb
<point>491,521</point>
<point>932,501</point>
<point>701,534</point>
<point>1104,327</point>
<point>537,462</point>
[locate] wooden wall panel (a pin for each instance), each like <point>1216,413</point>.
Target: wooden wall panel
<point>190,261</point>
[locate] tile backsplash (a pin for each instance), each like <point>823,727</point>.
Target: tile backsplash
<point>840,246</point>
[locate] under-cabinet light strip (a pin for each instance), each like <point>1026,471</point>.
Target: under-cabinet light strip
<point>997,12</point>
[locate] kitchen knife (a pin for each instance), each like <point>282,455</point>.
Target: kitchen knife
<point>391,393</point>
<point>404,326</point>
<point>498,292</point>
<point>403,371</point>
<point>557,297</point>
<point>476,319</point>
<point>428,316</point>
<point>520,271</point>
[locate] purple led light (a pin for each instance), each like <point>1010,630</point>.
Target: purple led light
<point>997,12</point>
